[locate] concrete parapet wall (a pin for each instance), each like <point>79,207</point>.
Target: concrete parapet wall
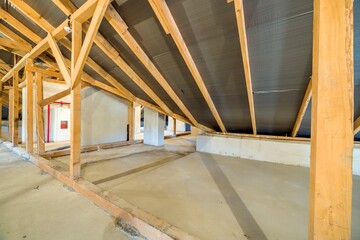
<point>287,152</point>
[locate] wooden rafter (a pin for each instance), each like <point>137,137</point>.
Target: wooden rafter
<point>14,45</point>
<point>113,54</point>
<point>240,17</point>
<point>357,126</point>
<point>89,39</point>
<point>121,28</point>
<point>59,59</point>
<point>163,12</point>
<point>58,33</point>
<point>303,107</point>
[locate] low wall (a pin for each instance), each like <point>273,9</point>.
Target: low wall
<point>288,152</point>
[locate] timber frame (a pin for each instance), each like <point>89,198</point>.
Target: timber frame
<point>70,72</point>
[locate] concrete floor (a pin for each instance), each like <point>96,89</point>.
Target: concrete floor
<point>33,205</point>
<point>206,195</point>
<point>209,196</point>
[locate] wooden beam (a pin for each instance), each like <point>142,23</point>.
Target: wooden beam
<point>4,65</point>
<point>43,71</point>
<point>303,107</point>
<point>89,39</point>
<point>15,111</point>
<point>60,60</point>
<point>40,114</point>
<point>357,126</point>
<point>121,28</point>
<point>162,11</point>
<point>75,107</point>
<point>131,117</point>
<point>36,51</point>
<point>1,105</point>
<point>332,130</point>
<point>174,128</point>
<point>14,45</point>
<point>240,17</point>
<point>12,21</point>
<point>86,11</point>
<point>10,115</point>
<point>29,110</point>
<point>10,34</point>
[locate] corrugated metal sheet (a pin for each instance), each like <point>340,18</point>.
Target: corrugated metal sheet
<point>280,43</point>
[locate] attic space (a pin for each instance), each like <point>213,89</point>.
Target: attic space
<point>180,119</point>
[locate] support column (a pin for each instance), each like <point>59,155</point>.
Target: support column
<point>29,110</point>
<point>1,106</point>
<point>137,119</point>
<point>39,115</point>
<point>75,106</point>
<point>154,124</point>
<point>10,115</point>
<point>174,128</point>
<point>332,121</point>
<point>15,109</point>
<point>131,119</point>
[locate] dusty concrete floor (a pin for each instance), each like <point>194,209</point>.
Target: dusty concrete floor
<point>33,205</point>
<point>209,196</point>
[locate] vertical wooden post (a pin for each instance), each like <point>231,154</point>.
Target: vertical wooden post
<point>29,110</point>
<point>75,107</point>
<point>15,109</point>
<point>10,116</point>
<point>131,117</point>
<point>39,114</point>
<point>1,105</point>
<point>174,126</point>
<point>332,121</point>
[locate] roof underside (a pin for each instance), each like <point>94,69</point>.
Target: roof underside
<point>279,36</point>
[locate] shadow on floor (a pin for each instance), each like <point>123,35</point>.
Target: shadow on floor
<point>243,216</point>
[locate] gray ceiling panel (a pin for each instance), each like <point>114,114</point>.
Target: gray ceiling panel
<point>209,29</point>
<point>47,10</point>
<point>280,49</point>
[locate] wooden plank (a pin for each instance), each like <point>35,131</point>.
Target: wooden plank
<point>86,11</point>
<point>89,39</point>
<point>40,114</point>
<point>15,111</point>
<point>1,105</point>
<point>240,17</point>
<point>174,133</point>
<point>59,60</point>
<point>29,110</point>
<point>10,116</point>
<point>357,126</point>
<point>54,98</point>
<point>36,51</point>
<point>121,28</point>
<point>32,14</point>
<point>75,107</point>
<point>303,107</point>
<point>45,72</point>
<point>131,117</point>
<point>162,11</point>
<point>12,21</point>
<point>14,45</point>
<point>332,130</point>
<point>10,34</point>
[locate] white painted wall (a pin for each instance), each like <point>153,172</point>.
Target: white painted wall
<point>104,117</point>
<point>154,124</point>
<point>180,126</point>
<point>58,113</point>
<point>276,151</point>
<point>137,120</point>
<point>49,89</point>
